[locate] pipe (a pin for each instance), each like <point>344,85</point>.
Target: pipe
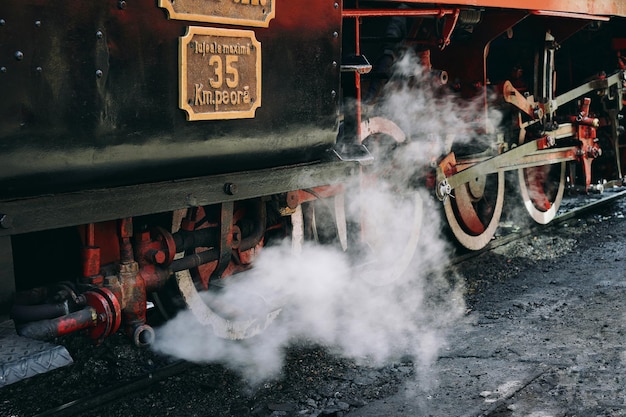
<point>23,313</point>
<point>35,295</point>
<point>143,335</point>
<point>186,240</point>
<point>192,261</point>
<point>45,329</point>
<point>209,237</point>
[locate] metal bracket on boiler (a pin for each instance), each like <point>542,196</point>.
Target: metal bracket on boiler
<point>347,149</point>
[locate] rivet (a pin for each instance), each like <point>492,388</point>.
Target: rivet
<point>2,22</point>
<point>38,23</point>
<point>19,55</point>
<point>336,5</point>
<point>99,34</point>
<point>99,73</point>
<point>3,69</point>
<point>334,64</point>
<point>335,35</point>
<point>333,94</point>
<point>121,5</point>
<point>38,69</point>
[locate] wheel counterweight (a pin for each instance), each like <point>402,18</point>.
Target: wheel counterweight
<point>473,210</point>
<point>541,189</point>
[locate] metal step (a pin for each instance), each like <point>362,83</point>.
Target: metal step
<point>22,358</point>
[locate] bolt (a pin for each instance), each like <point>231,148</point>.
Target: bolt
<point>2,22</point>
<point>3,69</point>
<point>158,257</point>
<point>38,69</point>
<point>99,73</point>
<point>335,34</point>
<point>99,34</point>
<point>230,188</point>
<point>38,23</point>
<point>19,55</point>
<point>121,5</point>
<point>5,221</point>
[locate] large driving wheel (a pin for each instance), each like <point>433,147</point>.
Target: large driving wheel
<point>473,210</point>
<point>392,208</point>
<point>542,190</point>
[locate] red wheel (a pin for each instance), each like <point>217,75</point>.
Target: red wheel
<point>391,230</point>
<point>473,210</point>
<point>542,190</point>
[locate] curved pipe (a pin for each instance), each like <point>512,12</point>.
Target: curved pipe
<point>22,313</point>
<point>143,335</point>
<point>45,329</point>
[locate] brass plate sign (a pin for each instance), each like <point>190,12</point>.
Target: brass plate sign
<point>235,12</point>
<point>220,73</point>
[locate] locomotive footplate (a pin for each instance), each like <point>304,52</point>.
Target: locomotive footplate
<point>21,357</point>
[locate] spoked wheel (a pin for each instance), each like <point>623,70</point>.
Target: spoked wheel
<point>196,289</point>
<point>391,207</point>
<point>473,210</point>
<point>226,324</point>
<point>392,238</point>
<point>542,190</point>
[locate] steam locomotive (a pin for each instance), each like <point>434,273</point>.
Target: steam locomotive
<point>150,149</point>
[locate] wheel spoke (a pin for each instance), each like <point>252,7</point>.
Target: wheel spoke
<point>542,190</point>
<point>474,216</point>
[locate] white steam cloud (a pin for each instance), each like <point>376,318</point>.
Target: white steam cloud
<point>326,300</point>
<point>348,304</point>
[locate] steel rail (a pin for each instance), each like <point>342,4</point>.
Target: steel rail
<point>534,228</point>
<point>112,394</point>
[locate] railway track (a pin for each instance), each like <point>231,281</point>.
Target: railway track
<point>574,207</point>
<point>110,395</point>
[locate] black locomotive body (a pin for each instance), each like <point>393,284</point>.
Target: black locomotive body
<point>151,147</point>
<point>92,92</point>
<point>91,102</point>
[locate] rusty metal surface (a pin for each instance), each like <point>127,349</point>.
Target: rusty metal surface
<point>598,7</point>
<point>220,73</point>
<point>237,12</point>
